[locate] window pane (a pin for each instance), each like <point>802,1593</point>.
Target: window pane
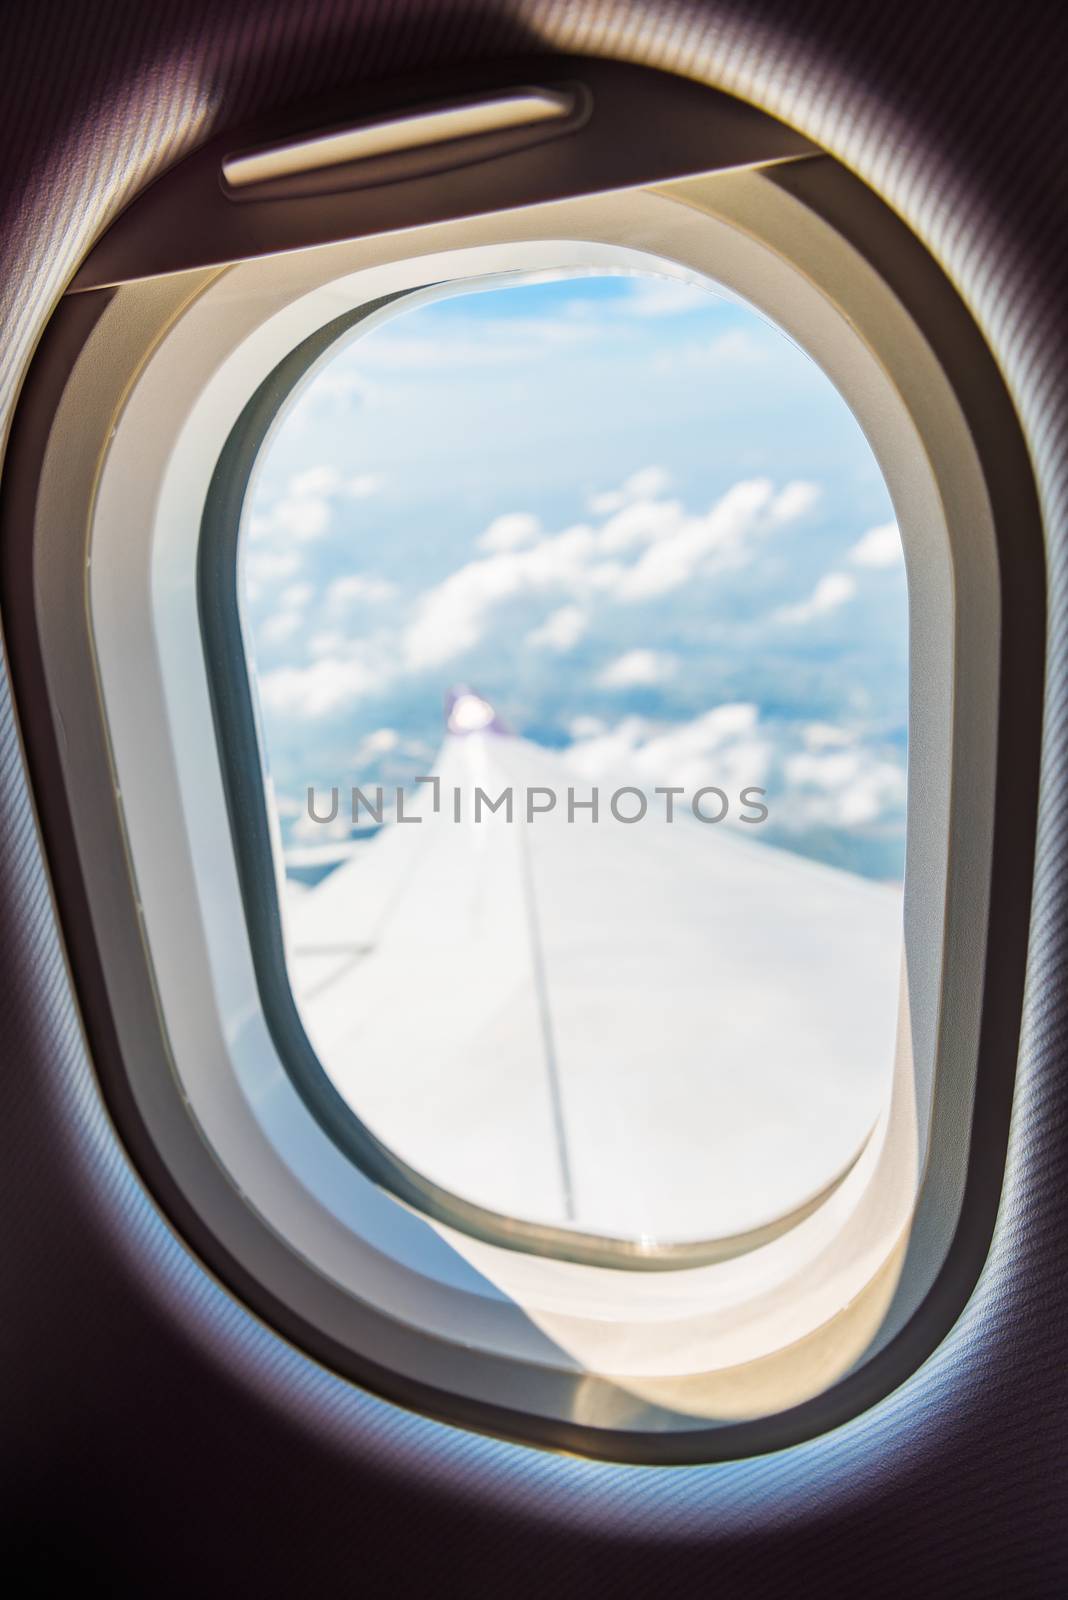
<point>595,540</point>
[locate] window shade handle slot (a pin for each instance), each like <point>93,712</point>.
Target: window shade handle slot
<point>512,113</point>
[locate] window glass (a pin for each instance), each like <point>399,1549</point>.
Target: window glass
<point>577,619</point>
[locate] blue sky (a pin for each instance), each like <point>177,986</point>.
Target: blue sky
<point>628,511</point>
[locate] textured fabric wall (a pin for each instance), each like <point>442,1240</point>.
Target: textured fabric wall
<point>154,1431</point>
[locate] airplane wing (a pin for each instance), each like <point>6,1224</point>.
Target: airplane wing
<point>655,1031</point>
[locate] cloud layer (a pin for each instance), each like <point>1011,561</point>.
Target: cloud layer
<point>439,508</point>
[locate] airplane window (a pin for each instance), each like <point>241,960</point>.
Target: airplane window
<point>576,613</point>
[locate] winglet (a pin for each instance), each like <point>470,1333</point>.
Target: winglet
<point>467,712</point>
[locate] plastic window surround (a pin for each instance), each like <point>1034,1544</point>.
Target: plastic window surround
<point>650,1353</point>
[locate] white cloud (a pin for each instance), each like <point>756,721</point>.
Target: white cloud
<point>586,727</point>
<point>736,347</point>
<point>304,510</point>
<point>638,669</point>
<point>324,687</point>
<point>644,484</point>
<point>329,642</point>
<point>716,540</point>
<point>796,500</point>
<point>666,297</point>
<point>379,743</point>
<point>831,780</point>
<point>304,518</point>
<point>279,628</point>
<point>843,788</point>
<point>362,485</point>
<point>599,751</point>
<point>561,630</point>
<point>313,482</point>
<point>357,589</point>
<point>726,746</point>
<point>641,522</point>
<point>285,804</point>
<point>825,736</point>
<point>337,382</point>
<point>510,531</point>
<point>293,602</point>
<point>263,567</point>
<point>833,590</point>
<point>451,618</point>
<point>880,547</point>
<point>307,830</point>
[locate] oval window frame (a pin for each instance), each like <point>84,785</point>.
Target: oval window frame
<point>607,1422</point>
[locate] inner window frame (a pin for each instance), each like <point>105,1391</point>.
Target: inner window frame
<point>245,770</point>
